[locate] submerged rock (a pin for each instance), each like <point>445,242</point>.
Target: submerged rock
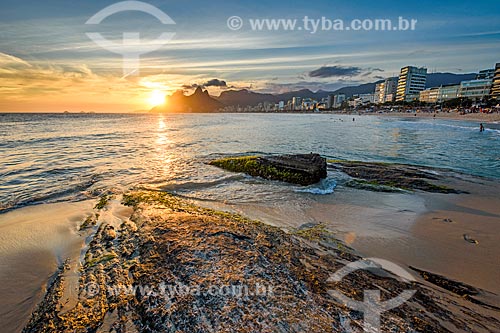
<point>386,177</point>
<point>301,169</point>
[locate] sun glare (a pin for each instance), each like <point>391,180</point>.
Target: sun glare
<point>157,98</point>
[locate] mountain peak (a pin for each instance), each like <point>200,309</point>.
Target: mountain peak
<point>199,101</point>
<point>198,91</point>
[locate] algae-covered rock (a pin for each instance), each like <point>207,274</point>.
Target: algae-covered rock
<point>301,169</point>
<point>386,177</point>
<point>178,267</point>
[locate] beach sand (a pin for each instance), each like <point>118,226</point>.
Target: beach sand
<point>34,241</point>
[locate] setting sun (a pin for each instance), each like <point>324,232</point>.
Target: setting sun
<point>157,98</point>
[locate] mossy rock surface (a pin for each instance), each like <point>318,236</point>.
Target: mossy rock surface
<point>301,169</point>
<point>185,268</point>
<point>386,177</point>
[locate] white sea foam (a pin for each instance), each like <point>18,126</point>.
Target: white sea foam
<point>326,186</point>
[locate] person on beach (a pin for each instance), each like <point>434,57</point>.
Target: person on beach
<point>481,128</point>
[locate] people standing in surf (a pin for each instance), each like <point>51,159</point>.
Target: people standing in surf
<point>481,128</point>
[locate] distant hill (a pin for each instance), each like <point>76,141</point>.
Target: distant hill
<point>246,97</point>
<point>366,88</point>
<point>438,79</point>
<point>199,101</point>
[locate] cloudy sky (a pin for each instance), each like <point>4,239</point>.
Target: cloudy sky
<point>48,63</point>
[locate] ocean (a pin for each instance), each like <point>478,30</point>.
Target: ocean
<point>70,157</point>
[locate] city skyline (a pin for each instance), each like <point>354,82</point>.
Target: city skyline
<point>49,64</point>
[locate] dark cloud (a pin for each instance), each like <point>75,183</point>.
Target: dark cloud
<point>342,71</point>
<point>215,83</point>
<point>209,83</point>
<point>335,71</point>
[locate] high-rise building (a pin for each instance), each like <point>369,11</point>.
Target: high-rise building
<point>486,74</point>
<point>329,103</point>
<point>338,100</point>
<point>385,91</point>
<point>411,82</point>
<point>391,87</point>
<point>495,87</point>
<point>308,104</point>
<point>474,89</point>
<point>297,103</point>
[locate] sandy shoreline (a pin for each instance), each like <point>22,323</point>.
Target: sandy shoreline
<point>34,240</point>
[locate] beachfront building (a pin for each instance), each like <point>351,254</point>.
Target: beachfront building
<point>448,92</point>
<point>430,95</point>
<point>411,82</point>
<point>379,93</point>
<point>338,100</point>
<point>366,98</point>
<point>495,88</point>
<point>361,99</point>
<point>297,103</point>
<point>486,74</point>
<point>268,106</point>
<point>329,101</point>
<point>308,104</point>
<point>475,89</point>
<point>335,101</point>
<point>385,91</point>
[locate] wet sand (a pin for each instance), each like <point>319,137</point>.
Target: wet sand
<point>410,229</point>
<point>448,253</point>
<point>430,236</point>
<point>34,241</point>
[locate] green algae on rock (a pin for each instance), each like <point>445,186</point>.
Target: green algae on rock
<point>103,201</point>
<point>301,169</point>
<point>168,241</point>
<point>386,177</point>
<point>89,222</point>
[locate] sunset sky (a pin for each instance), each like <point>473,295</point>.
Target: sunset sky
<point>47,62</point>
